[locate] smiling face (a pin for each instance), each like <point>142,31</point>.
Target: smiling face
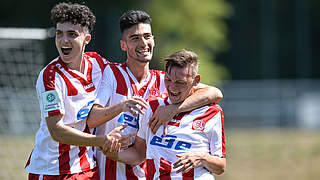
<point>138,42</point>
<point>71,41</point>
<point>179,82</point>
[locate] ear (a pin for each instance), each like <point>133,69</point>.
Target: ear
<point>87,39</point>
<point>123,45</point>
<point>197,79</point>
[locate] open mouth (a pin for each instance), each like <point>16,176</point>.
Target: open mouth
<point>143,52</point>
<point>66,50</point>
<point>173,94</point>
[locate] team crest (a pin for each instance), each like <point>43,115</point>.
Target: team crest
<point>198,125</point>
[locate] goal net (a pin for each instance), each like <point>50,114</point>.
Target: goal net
<point>22,56</point>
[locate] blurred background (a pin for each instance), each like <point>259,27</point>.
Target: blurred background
<point>262,54</point>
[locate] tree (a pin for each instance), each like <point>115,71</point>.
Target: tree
<point>193,25</point>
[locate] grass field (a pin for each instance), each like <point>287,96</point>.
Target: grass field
<point>278,154</point>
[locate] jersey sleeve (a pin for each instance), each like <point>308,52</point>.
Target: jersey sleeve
<point>106,88</point>
<point>217,139</point>
<point>50,95</point>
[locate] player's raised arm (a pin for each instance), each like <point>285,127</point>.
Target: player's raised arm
<point>100,115</point>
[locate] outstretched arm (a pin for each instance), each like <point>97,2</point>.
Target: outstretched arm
<point>99,115</point>
<point>203,95</point>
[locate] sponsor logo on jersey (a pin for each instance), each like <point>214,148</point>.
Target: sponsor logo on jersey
<point>131,120</point>
<point>84,111</point>
<point>88,86</point>
<point>170,141</point>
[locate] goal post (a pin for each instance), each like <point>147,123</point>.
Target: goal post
<point>22,56</point>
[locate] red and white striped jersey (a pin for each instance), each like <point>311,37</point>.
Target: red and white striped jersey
<point>71,94</point>
<point>201,129</point>
<point>119,84</point>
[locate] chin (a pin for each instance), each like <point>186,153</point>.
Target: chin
<point>175,101</point>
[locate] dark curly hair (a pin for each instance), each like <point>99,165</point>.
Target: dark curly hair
<point>74,13</point>
<point>133,17</point>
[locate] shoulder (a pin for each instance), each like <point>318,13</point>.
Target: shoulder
<point>47,76</point>
<point>156,101</point>
<point>157,73</point>
<point>97,58</point>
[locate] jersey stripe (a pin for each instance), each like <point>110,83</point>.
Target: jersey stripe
<point>87,84</point>
<point>224,154</point>
<point>84,163</point>
<point>121,83</point>
<point>209,114</point>
<point>133,86</point>
<point>189,175</point>
<point>72,91</point>
<point>151,169</point>
<point>164,169</point>
<point>154,104</point>
<point>110,169</point>
<point>157,75</point>
<point>101,61</point>
<point>64,166</point>
<point>33,176</point>
<point>49,77</point>
<point>54,113</point>
<point>129,173</point>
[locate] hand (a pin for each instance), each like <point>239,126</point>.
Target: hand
<point>188,160</point>
<point>162,116</point>
<point>115,140</point>
<point>132,105</point>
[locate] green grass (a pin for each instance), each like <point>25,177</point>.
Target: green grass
<point>251,155</point>
<point>14,153</point>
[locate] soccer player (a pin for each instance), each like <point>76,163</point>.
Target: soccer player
<point>67,88</point>
<point>127,85</point>
<point>194,145</point>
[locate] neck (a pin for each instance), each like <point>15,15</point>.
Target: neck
<point>77,65</point>
<point>139,70</point>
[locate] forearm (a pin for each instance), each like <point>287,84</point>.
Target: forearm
<point>68,135</point>
<point>131,156</point>
<point>202,95</point>
<point>99,115</point>
<point>135,154</point>
<point>213,164</point>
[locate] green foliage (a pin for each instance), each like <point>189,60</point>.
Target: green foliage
<point>193,25</point>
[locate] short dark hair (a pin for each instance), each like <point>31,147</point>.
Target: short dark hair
<point>74,13</point>
<point>182,59</point>
<point>133,17</point>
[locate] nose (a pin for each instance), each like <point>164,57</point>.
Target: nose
<point>65,38</point>
<point>143,41</point>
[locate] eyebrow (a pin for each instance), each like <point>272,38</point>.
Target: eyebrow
<point>69,31</point>
<point>136,35</point>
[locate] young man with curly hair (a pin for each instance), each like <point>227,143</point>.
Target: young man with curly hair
<point>67,88</point>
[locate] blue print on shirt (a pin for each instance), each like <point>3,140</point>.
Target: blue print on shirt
<point>170,141</point>
<point>129,119</point>
<point>83,113</point>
